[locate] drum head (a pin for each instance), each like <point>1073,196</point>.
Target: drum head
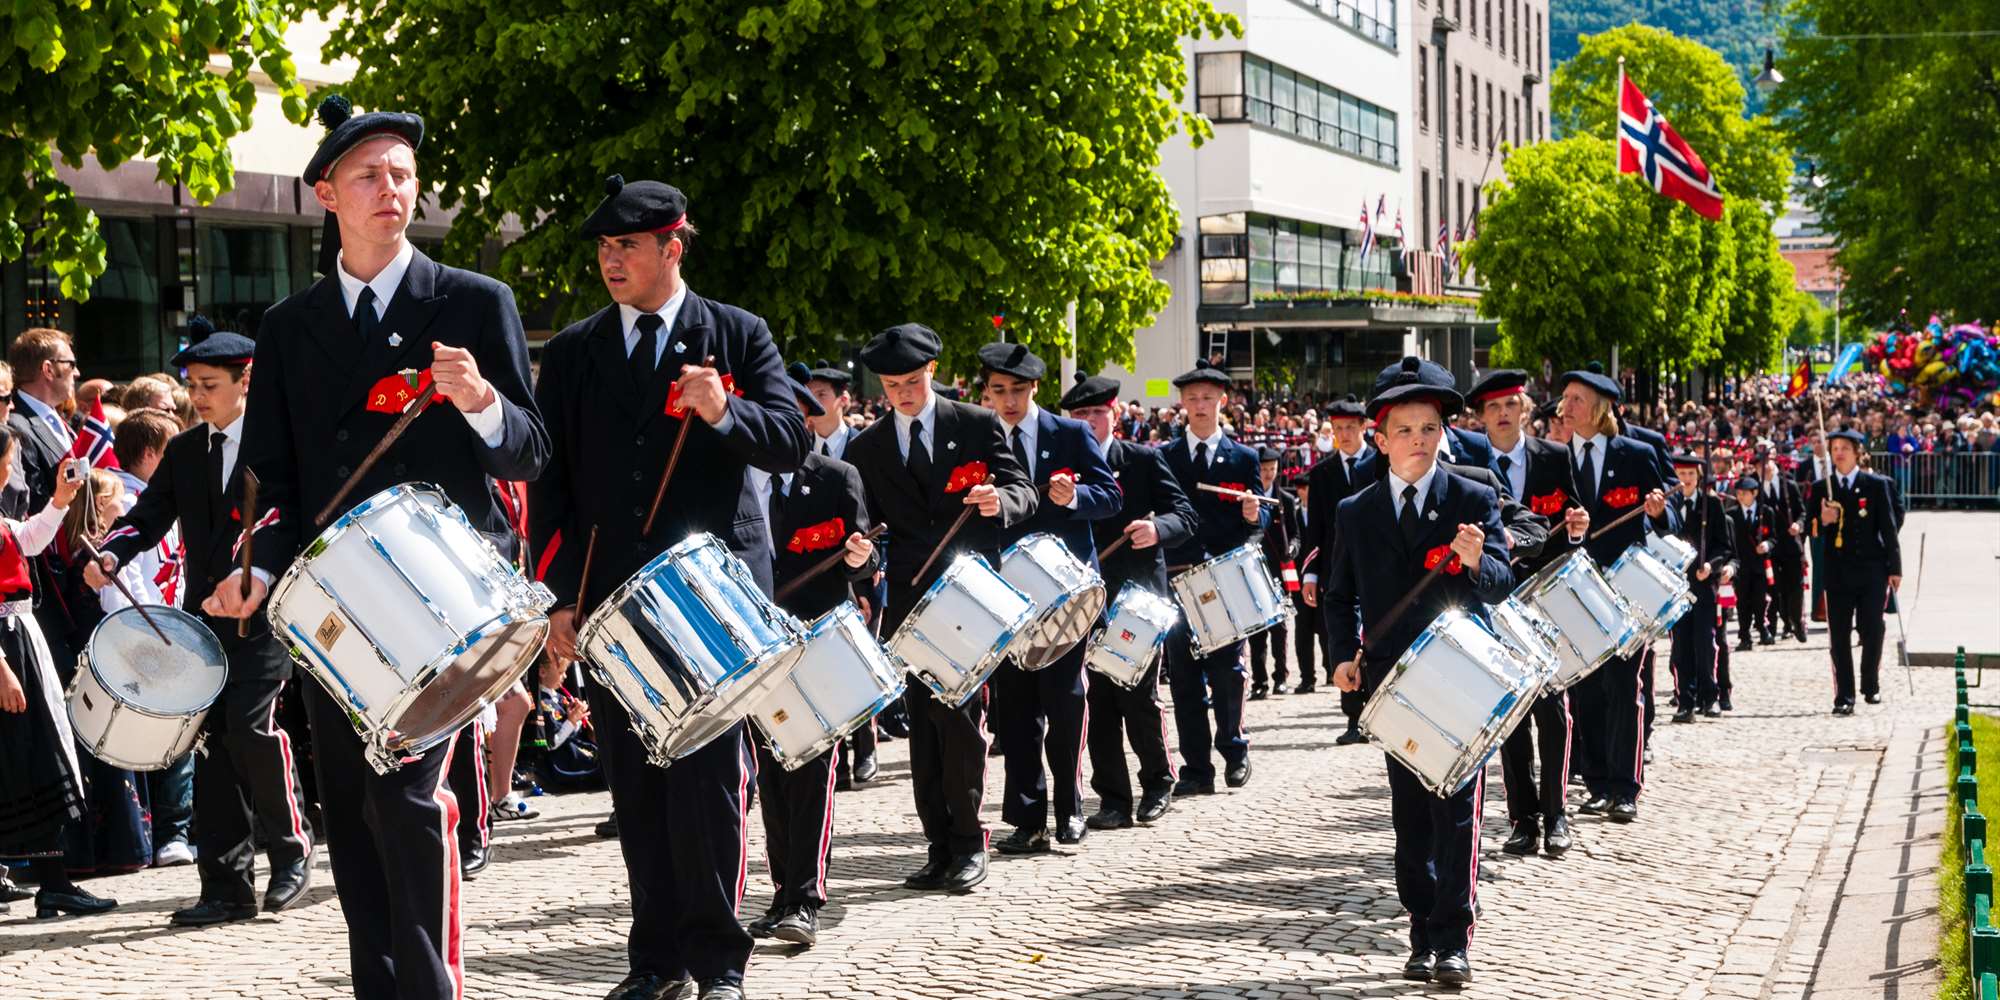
<point>137,668</point>
<point>496,659</point>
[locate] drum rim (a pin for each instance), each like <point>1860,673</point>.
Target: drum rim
<point>1247,550</point>
<point>110,691</point>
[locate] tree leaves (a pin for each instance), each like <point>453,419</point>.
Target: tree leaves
<point>120,79</point>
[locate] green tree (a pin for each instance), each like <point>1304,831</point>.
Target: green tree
<point>1739,31</point>
<point>1898,128</point>
<point>852,164</point>
<point>116,80</point>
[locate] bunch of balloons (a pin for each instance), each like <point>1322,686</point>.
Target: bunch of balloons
<point>1959,366</point>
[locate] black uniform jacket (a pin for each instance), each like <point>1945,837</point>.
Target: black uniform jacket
<point>824,505</point>
<point>1220,526</point>
<point>1150,490</point>
<point>1863,538</point>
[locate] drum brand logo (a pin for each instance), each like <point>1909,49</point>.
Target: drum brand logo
<point>329,630</point>
<point>1207,597</point>
<point>1410,747</point>
<point>778,717</point>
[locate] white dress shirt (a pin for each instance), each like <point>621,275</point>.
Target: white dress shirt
<point>1517,466</point>
<point>926,416</point>
<point>836,445</point>
<point>1213,441</point>
<point>488,423</point>
<point>669,313</point>
<point>1597,443</point>
<point>1423,485</point>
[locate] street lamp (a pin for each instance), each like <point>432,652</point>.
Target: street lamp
<point>1768,81</point>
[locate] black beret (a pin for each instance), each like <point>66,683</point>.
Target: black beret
<point>901,349</point>
<point>1346,406</point>
<point>1681,459</point>
<point>1547,409</point>
<point>950,392</point>
<point>1090,390</point>
<point>345,130</point>
<point>1203,371</point>
<point>199,328</point>
<point>824,371</point>
<point>1300,480</point>
<point>1748,483</point>
<point>1848,434</point>
<point>638,207</point>
<point>217,349</point>
<point>1411,379</point>
<point>797,370</point>
<point>1495,384</point>
<point>1012,359</point>
<point>1267,454</point>
<point>1593,377</point>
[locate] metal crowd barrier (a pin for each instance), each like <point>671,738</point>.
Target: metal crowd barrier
<point>1943,479</point>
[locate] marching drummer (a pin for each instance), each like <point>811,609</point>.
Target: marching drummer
<point>1418,517</point>
<point>813,512</point>
<point>929,461</point>
<point>1704,525</point>
<point>247,770</point>
<point>1154,515</point>
<point>1341,474</point>
<point>1038,710</point>
<point>1204,455</point>
<point>618,388</point>
<point>1856,523</point>
<point>330,362</point>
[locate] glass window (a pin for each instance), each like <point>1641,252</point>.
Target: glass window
<point>118,329</point>
<point>243,271</point>
<point>1305,107</point>
<point>1309,109</point>
<point>1219,85</point>
<point>1423,89</point>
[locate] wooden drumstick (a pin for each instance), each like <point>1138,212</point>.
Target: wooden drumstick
<point>673,459</point>
<point>1396,610</point>
<point>249,515</point>
<point>1622,518</point>
<point>946,540</point>
<point>823,565</point>
<point>589,550</point>
<point>91,552</point>
<point>375,455</point>
<point>1106,552</point>
<point>1237,494</point>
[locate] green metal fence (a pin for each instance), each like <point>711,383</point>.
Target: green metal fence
<point>1983,937</point>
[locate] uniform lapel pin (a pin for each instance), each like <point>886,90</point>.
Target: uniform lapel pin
<point>395,340</point>
<point>1432,515</point>
<point>680,348</point>
<point>805,489</point>
<point>951,445</point>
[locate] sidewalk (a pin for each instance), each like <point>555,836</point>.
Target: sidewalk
<point>1951,584</point>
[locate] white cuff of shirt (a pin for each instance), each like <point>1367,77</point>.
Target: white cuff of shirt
<point>489,423</point>
<point>727,422</point>
<point>261,575</point>
<point>1312,578</point>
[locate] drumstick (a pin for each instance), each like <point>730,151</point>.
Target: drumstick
<point>589,550</point>
<point>1238,494</point>
<point>1622,518</point>
<point>375,455</point>
<point>1105,552</point>
<point>824,564</point>
<point>673,459</point>
<point>116,581</point>
<point>946,540</point>
<point>1396,610</point>
<point>249,515</point>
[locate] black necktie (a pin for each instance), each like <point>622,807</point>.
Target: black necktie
<point>643,359</point>
<point>1410,520</point>
<point>919,462</point>
<point>776,508</point>
<point>1201,456</point>
<point>1586,476</point>
<point>1020,452</point>
<point>365,320</point>
<point>1506,476</point>
<point>216,487</point>
<point>824,449</point>
<point>1350,468</point>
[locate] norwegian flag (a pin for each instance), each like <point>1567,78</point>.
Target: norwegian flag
<point>1648,146</point>
<point>1367,232</point>
<point>93,440</point>
<point>270,518</point>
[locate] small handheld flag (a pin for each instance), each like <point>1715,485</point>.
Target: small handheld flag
<point>1801,379</point>
<point>93,440</point>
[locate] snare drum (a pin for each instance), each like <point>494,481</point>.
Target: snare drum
<point>1068,597</point>
<point>1229,598</point>
<point>1657,593</point>
<point>1672,550</point>
<point>138,703</point>
<point>1450,701</point>
<point>1531,634</point>
<point>689,645</point>
<point>409,618</point>
<point>1132,636</point>
<point>842,679</point>
<point>1594,621</point>
<point>961,629</point>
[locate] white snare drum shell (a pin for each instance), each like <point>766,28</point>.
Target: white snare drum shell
<point>138,703</point>
<point>841,680</point>
<point>1451,700</point>
<point>1229,598</point>
<point>1133,633</point>
<point>959,630</point>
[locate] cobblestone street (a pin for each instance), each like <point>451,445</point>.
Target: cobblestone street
<point>1724,887</point>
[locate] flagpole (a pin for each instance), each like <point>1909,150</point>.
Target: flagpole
<point>1617,108</point>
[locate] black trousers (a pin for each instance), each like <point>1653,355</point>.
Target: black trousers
<point>681,830</point>
<point>468,784</point>
<point>947,769</point>
<point>1037,714</point>
<point>1118,714</point>
<point>858,746</point>
<point>1609,698</point>
<point>246,771</point>
<point>1855,598</point>
<point>1750,595</point>
<point>1200,684</point>
<point>1784,608</point>
<point>1722,686</point>
<point>1437,857</point>
<point>797,807</point>
<point>1546,729</point>
<point>1273,640</point>
<point>1307,641</point>
<point>393,841</point>
<point>1646,688</point>
<point>1693,656</point>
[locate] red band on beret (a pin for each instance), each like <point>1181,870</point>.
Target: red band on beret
<point>671,227</point>
<point>1521,390</point>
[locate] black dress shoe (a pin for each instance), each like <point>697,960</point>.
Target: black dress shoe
<point>1711,711</point>
<point>762,927</point>
<point>1189,786</point>
<point>1238,774</point>
<point>1024,841</point>
<point>1350,737</point>
<point>1153,805</point>
<point>1685,715</point>
<point>212,911</point>
<point>1596,805</point>
<point>1453,968</point>
<point>929,877</point>
<point>1801,634</point>
<point>1556,840</point>
<point>1843,708</point>
<point>1766,640</point>
<point>1420,966</point>
<point>11,893</point>
<point>1527,834</point>
<point>1108,818</point>
<point>721,989</point>
<point>1725,705</point>
<point>607,829</point>
<point>993,748</point>
<point>1743,647</point>
<point>647,986</point>
<point>1281,688</point>
<point>74,901</point>
<point>1070,831</point>
<point>472,861</point>
<point>866,769</point>
<point>1305,687</point>
<point>842,782</point>
<point>289,884</point>
<point>1259,693</point>
<point>799,925</point>
<point>1624,811</point>
<point>1872,699</point>
<point>964,872</point>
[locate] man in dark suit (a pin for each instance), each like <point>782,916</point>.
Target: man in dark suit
<point>813,511</point>
<point>1756,527</point>
<point>1281,532</point>
<point>608,388</point>
<point>1864,565</point>
<point>1153,516</point>
<point>45,374</point>
<point>1331,480</point>
<point>1814,471</point>
<point>1536,473</point>
<point>1705,525</point>
<point>1204,455</point>
<point>330,362</point>
<point>1784,612</point>
<point>1042,711</point>
<point>247,769</point>
<point>1614,476</point>
<point>1418,512</point>
<point>926,446</point>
